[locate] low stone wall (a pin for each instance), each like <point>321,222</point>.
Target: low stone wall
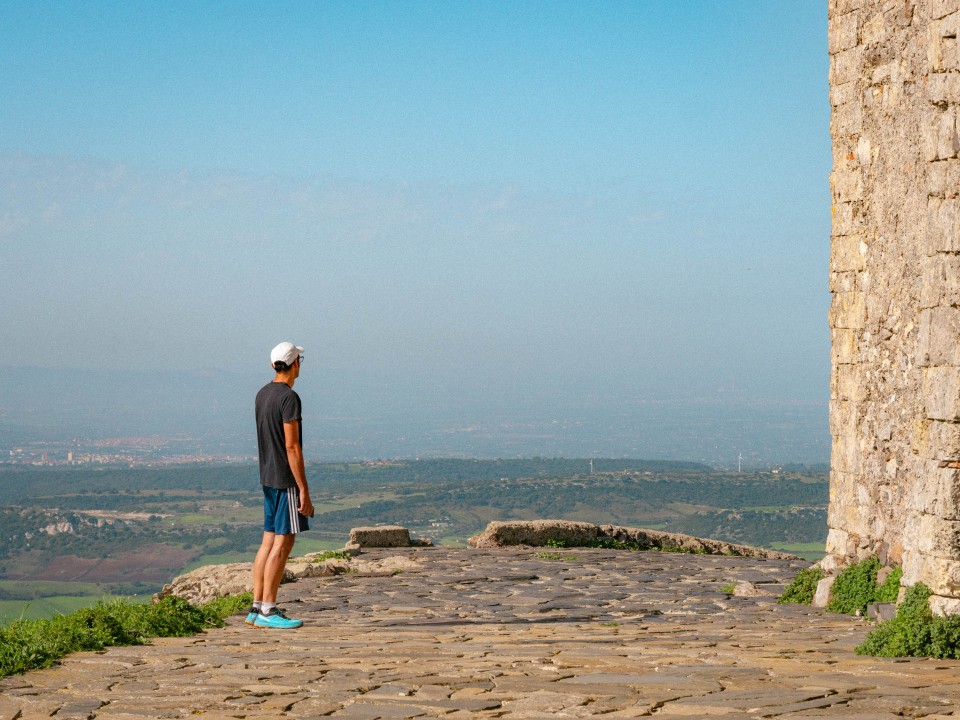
<point>538,533</point>
<point>215,581</point>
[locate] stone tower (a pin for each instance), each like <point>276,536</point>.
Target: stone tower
<point>895,280</point>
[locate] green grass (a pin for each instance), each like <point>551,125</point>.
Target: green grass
<point>31,644</point>
<point>219,559</point>
<point>808,551</point>
<point>46,607</point>
<point>304,545</point>
<point>33,589</point>
<point>453,541</point>
<point>197,519</point>
<point>36,599</point>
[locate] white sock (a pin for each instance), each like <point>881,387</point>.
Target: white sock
<point>266,607</point>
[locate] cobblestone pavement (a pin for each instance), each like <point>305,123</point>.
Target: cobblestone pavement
<point>514,633</point>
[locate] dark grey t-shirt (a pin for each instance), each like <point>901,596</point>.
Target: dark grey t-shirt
<point>276,404</point>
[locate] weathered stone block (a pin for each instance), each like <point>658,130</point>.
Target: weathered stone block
<point>843,33</point>
<point>843,419</point>
<point>837,540</point>
<point>939,8</point>
<point>384,536</point>
<point>942,43</point>
<point>941,393</point>
<point>942,235</point>
<point>848,310</point>
<point>944,178</point>
<point>935,536</point>
<point>845,459</point>
<point>847,218</point>
<point>943,88</point>
<point>849,511</point>
<point>844,94</point>
<point>838,8</point>
<point>941,575</point>
<point>821,597</point>
<point>939,332</point>
<point>941,605</point>
<point>942,441</point>
<point>844,282</point>
<point>536,533</point>
<point>847,252</point>
<point>846,383</point>
<point>941,280</point>
<point>936,491</point>
<point>846,184</point>
<point>941,141</point>
<point>875,29</point>
<point>846,66</point>
<point>843,345</point>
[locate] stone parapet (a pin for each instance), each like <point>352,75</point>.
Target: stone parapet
<point>569,533</point>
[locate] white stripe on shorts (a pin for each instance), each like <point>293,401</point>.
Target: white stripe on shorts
<point>292,513</point>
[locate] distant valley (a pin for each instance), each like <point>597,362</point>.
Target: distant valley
<point>73,533</point>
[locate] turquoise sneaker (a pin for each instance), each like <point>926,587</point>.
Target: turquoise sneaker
<point>276,619</point>
<point>251,616</point>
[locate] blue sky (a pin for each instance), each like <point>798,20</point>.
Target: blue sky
<point>523,197</point>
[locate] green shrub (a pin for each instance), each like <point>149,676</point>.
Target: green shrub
<point>855,587</point>
<point>803,587</point>
<point>30,644</point>
<point>890,590</point>
<point>915,631</point>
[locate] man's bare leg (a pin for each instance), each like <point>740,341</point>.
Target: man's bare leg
<point>276,561</point>
<point>260,563</point>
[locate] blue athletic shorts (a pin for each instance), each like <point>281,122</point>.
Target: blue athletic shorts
<point>280,514</point>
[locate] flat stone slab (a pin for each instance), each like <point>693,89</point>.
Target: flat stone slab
<point>503,633</point>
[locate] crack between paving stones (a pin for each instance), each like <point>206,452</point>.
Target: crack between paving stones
<point>659,705</point>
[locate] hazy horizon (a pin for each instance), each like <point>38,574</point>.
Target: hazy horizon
<point>469,214</point>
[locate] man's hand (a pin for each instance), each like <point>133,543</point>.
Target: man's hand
<point>306,506</point>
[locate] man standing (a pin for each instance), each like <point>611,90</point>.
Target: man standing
<point>286,498</point>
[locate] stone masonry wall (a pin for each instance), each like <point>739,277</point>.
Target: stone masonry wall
<point>895,315</point>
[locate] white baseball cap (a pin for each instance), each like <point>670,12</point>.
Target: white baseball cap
<point>285,352</point>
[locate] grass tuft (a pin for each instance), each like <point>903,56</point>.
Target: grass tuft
<point>31,644</point>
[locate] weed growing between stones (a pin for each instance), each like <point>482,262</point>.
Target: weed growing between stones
<point>331,555</point>
<point>914,631</point>
<point>803,587</point>
<point>608,543</point>
<point>728,588</point>
<point>554,556</point>
<point>30,644</point>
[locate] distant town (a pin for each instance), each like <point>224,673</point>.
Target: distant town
<point>130,451</point>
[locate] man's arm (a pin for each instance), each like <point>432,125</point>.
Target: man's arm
<point>291,436</point>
